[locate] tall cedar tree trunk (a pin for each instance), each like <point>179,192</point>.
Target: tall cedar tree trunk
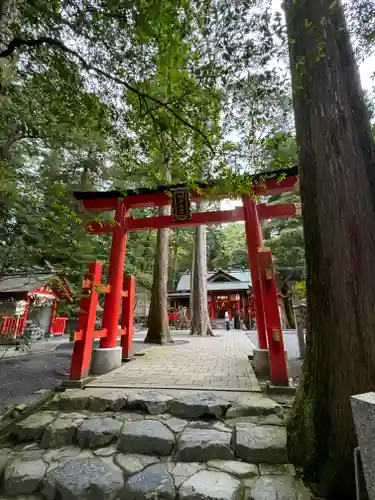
<point>200,321</point>
<point>158,322</point>
<point>337,179</point>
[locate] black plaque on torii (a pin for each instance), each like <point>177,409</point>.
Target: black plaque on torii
<point>181,204</point>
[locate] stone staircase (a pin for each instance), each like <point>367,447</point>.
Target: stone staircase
<point>97,444</point>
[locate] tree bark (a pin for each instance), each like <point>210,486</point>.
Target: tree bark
<point>337,180</point>
<point>200,320</point>
<point>158,323</point>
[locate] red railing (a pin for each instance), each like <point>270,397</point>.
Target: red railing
<point>11,325</point>
<point>58,326</point>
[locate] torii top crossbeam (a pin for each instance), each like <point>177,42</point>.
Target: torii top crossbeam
<point>265,183</point>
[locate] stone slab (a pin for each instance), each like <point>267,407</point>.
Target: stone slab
<point>148,437</point>
<point>200,404</point>
<point>154,482</point>
<point>109,401</point>
<point>183,470</point>
<point>278,469</point>
<point>260,443</point>
<point>23,477</point>
<point>363,409</point>
<point>98,432</point>
<point>32,428</point>
<point>83,479</point>
<point>133,462</point>
<point>279,487</point>
<point>61,454</point>
<point>154,402</point>
<point>199,445</point>
<point>253,405</point>
<point>234,467</point>
<point>71,400</point>
<point>211,485</point>
<point>59,433</point>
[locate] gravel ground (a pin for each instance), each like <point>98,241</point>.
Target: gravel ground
<point>23,374</point>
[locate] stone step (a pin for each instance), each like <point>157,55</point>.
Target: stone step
<point>185,404</point>
<point>252,439</point>
<point>30,472</point>
<point>137,445</point>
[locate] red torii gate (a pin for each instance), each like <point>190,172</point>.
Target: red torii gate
<point>260,259</point>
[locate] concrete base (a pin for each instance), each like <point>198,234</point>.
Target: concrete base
<point>261,362</point>
<point>73,384</point>
<point>363,409</point>
<point>105,360</point>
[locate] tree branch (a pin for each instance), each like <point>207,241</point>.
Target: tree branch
<point>19,42</point>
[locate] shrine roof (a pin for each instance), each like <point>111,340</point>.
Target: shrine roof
<point>117,193</point>
<point>18,283</point>
<point>240,281</point>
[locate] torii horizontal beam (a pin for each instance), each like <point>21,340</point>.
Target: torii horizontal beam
<point>106,201</point>
<point>223,216</point>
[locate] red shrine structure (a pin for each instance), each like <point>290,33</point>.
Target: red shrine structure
<point>120,292</point>
<point>29,300</point>
<point>227,290</point>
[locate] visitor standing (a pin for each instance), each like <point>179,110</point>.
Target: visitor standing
<point>227,324</point>
<point>236,321</point>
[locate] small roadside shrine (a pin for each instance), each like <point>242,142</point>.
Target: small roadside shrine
<point>28,300</point>
<point>119,290</point>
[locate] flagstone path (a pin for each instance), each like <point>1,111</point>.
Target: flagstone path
<point>207,363</point>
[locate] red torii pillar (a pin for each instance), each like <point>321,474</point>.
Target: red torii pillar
<point>254,242</point>
<point>112,302</point>
<point>276,350</point>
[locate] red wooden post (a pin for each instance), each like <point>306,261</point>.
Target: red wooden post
<point>212,306</point>
<point>81,357</point>
<point>254,241</point>
<point>278,364</point>
<point>112,302</point>
<point>25,315</point>
<point>127,318</point>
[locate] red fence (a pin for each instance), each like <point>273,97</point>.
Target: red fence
<point>58,326</point>
<point>12,325</point>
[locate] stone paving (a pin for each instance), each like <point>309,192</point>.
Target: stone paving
<point>131,444</point>
<point>207,363</point>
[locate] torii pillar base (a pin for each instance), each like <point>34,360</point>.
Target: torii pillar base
<point>261,362</point>
<point>104,360</point>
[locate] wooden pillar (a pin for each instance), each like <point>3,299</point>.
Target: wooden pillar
<point>81,357</point>
<point>212,306</point>
<point>112,302</point>
<point>25,315</point>
<point>254,242</point>
<point>127,317</point>
<point>278,364</point>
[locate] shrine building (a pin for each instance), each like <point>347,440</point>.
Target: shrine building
<point>227,290</point>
